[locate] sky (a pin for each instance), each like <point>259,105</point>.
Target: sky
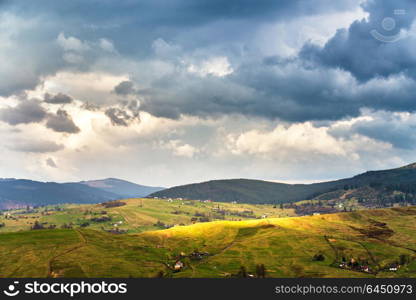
<point>172,92</point>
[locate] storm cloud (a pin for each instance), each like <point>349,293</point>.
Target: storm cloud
<point>378,46</point>
<point>218,89</point>
<point>187,68</point>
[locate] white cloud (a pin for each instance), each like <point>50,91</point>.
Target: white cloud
<point>71,43</point>
<point>286,142</point>
<point>92,87</point>
<point>165,49</point>
<point>107,45</point>
<point>216,66</point>
<point>180,149</point>
<point>287,38</point>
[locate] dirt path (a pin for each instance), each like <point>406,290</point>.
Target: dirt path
<point>333,249</point>
<point>84,242</point>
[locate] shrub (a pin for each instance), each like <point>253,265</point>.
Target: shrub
<point>318,257</point>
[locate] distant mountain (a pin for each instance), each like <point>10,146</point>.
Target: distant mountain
<point>16,193</point>
<point>20,193</point>
<point>121,187</point>
<point>244,190</point>
<point>387,186</point>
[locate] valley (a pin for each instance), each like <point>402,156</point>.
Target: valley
<point>361,226</point>
<point>367,243</point>
<point>135,215</point>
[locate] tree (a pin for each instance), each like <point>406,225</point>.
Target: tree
<point>318,257</point>
<point>260,271</point>
<point>404,259</point>
<point>37,226</point>
<point>160,274</point>
<point>242,273</point>
<point>84,224</point>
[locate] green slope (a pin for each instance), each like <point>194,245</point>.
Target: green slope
<point>286,247</point>
<point>257,191</point>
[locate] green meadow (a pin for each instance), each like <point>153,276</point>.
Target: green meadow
<point>138,215</point>
<point>375,240</point>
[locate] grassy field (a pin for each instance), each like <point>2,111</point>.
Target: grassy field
<point>137,215</point>
<point>285,246</point>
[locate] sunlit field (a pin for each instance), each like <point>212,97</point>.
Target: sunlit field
<point>311,246</point>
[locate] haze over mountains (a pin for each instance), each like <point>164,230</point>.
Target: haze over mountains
<point>122,187</point>
<point>380,188</point>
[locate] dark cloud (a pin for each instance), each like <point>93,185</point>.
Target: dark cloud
<point>118,117</point>
<point>59,98</point>
<point>51,163</point>
<point>134,25</point>
<point>124,88</point>
<point>90,106</point>
<point>27,111</point>
<point>34,146</point>
<point>290,91</point>
<point>62,122</point>
<point>311,86</point>
<point>366,56</point>
<point>180,13</point>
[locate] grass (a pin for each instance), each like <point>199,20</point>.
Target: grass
<point>137,215</point>
<point>285,246</point>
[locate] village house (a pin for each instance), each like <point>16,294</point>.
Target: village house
<point>178,265</point>
<point>394,267</point>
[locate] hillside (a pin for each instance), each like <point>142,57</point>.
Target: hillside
<point>359,244</point>
<point>15,193</point>
<point>245,191</point>
<point>386,184</point>
<point>123,188</point>
<point>135,215</point>
<point>20,193</point>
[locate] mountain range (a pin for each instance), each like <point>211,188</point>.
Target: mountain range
<point>122,188</point>
<point>21,192</point>
<point>373,188</point>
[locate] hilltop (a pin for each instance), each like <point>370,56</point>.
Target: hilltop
<point>122,188</point>
<point>387,186</point>
<point>374,243</point>
<point>17,193</point>
<point>21,193</point>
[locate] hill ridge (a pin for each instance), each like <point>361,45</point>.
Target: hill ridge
<point>260,191</point>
